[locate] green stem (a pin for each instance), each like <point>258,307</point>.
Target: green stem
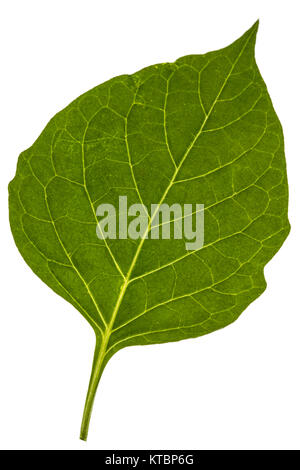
<point>97,369</point>
<point>100,358</point>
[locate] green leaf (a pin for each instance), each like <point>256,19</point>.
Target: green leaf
<point>200,130</point>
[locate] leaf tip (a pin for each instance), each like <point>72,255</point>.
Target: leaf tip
<point>254,28</point>
<point>250,36</point>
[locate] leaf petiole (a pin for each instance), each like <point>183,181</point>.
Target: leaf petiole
<point>97,370</point>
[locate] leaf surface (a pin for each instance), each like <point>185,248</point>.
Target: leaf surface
<point>200,130</point>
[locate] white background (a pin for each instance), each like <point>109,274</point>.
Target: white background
<point>237,388</point>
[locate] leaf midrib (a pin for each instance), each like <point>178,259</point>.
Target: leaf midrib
<point>109,329</point>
